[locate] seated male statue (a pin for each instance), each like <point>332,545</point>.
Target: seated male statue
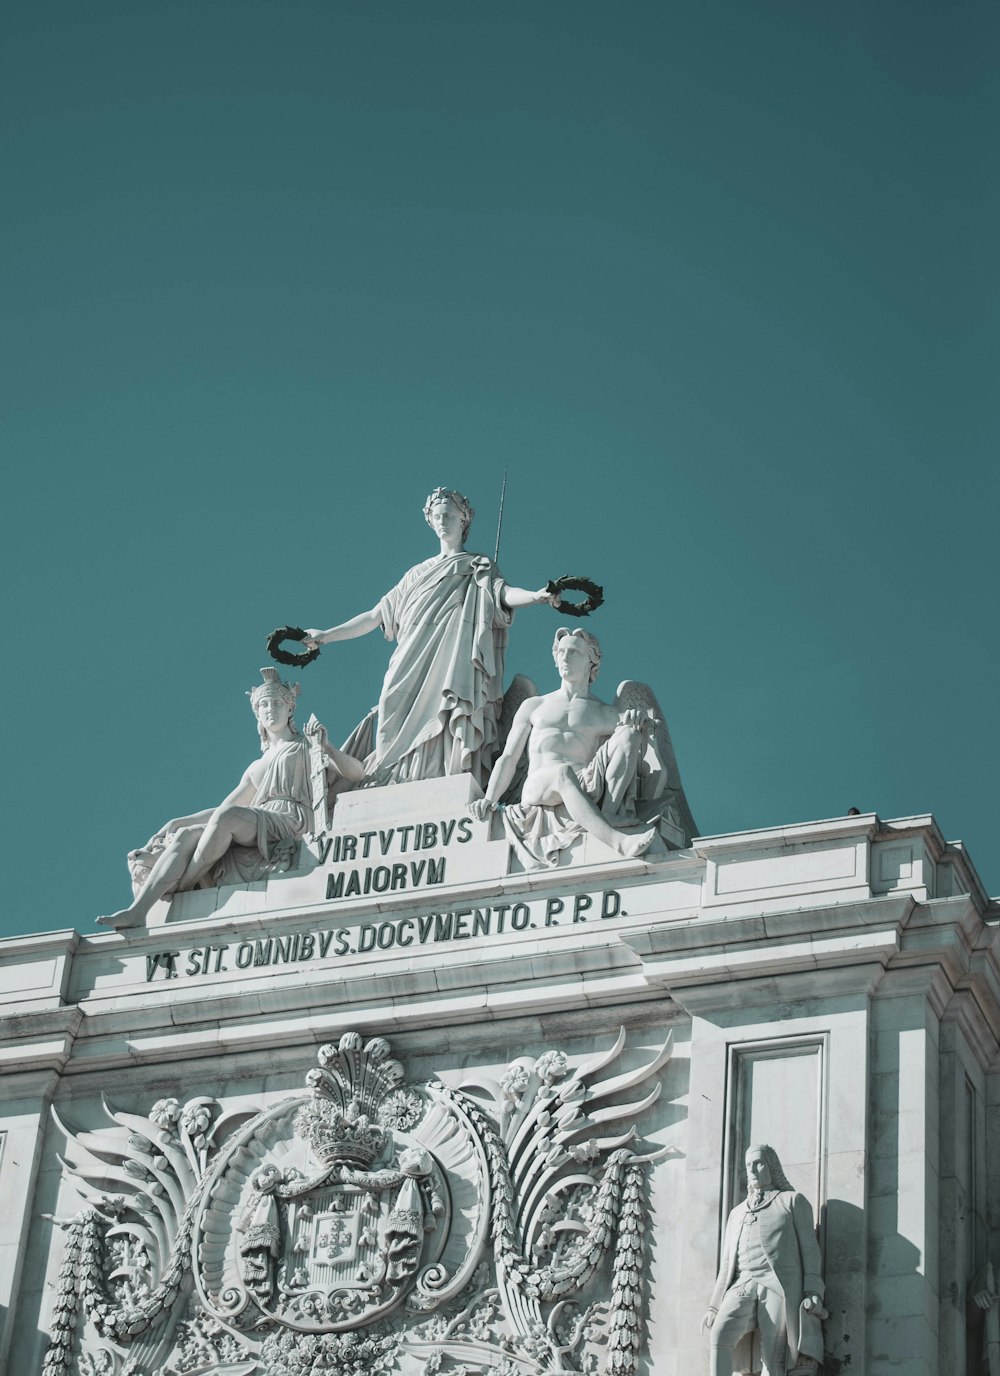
<point>584,758</point>
<point>269,808</point>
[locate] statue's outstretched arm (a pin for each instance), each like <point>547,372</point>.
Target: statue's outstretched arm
<point>347,766</point>
<point>242,793</point>
<point>521,597</point>
<point>347,630</point>
<point>195,819</point>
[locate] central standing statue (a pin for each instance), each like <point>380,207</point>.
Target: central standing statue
<point>443,689</point>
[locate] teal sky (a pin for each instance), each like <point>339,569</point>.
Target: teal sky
<point>717,283</point>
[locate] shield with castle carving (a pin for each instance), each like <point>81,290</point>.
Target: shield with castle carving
<point>314,1218</point>
<point>334,1239</point>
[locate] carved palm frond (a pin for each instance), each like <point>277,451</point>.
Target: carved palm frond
<point>448,1134</point>
<point>141,1178</point>
<point>547,1146</point>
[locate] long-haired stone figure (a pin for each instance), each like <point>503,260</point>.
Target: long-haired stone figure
<point>769,1280</point>
<point>443,689</point>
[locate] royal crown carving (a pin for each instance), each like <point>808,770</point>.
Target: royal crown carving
<point>341,1123</point>
<point>364,1225</point>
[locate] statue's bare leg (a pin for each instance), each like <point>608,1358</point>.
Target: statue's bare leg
<point>586,815</point>
<point>226,827</point>
<point>164,878</point>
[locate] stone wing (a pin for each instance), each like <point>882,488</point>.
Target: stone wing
<point>660,788</point>
<point>521,688</point>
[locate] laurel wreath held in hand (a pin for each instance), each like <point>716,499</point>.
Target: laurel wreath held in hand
<point>594,598</point>
<point>284,656</point>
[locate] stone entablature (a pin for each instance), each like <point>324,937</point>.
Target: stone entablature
<point>284,931</point>
<point>830,987</point>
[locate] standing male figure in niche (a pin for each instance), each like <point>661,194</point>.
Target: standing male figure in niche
<point>442,691</point>
<point>769,1280</point>
<point>269,808</point>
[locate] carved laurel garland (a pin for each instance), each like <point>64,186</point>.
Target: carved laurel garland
<point>60,1349</point>
<point>81,1278</point>
<point>362,1227</point>
<point>571,583</point>
<point>297,658</point>
<point>618,1204</point>
<point>289,1354</point>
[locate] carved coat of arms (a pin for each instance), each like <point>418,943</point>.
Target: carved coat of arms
<point>364,1226</point>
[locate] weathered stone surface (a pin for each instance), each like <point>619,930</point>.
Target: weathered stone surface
<point>832,986</point>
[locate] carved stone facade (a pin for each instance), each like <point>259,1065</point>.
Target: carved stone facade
<point>366,1223</point>
<point>378,1113</point>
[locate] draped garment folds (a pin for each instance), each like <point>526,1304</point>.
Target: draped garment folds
<point>283,806</point>
<point>443,688</point>
<point>540,834</point>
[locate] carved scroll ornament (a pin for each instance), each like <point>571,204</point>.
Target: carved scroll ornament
<point>364,1225</point>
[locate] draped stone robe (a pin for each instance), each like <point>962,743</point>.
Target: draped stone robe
<point>283,807</point>
<point>443,688</point>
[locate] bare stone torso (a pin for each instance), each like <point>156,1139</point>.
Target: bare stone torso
<point>565,732</point>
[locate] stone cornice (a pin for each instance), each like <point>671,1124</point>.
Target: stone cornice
<point>865,826</point>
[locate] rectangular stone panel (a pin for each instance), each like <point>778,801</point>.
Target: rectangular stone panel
<point>777,1095</point>
<point>783,870</point>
